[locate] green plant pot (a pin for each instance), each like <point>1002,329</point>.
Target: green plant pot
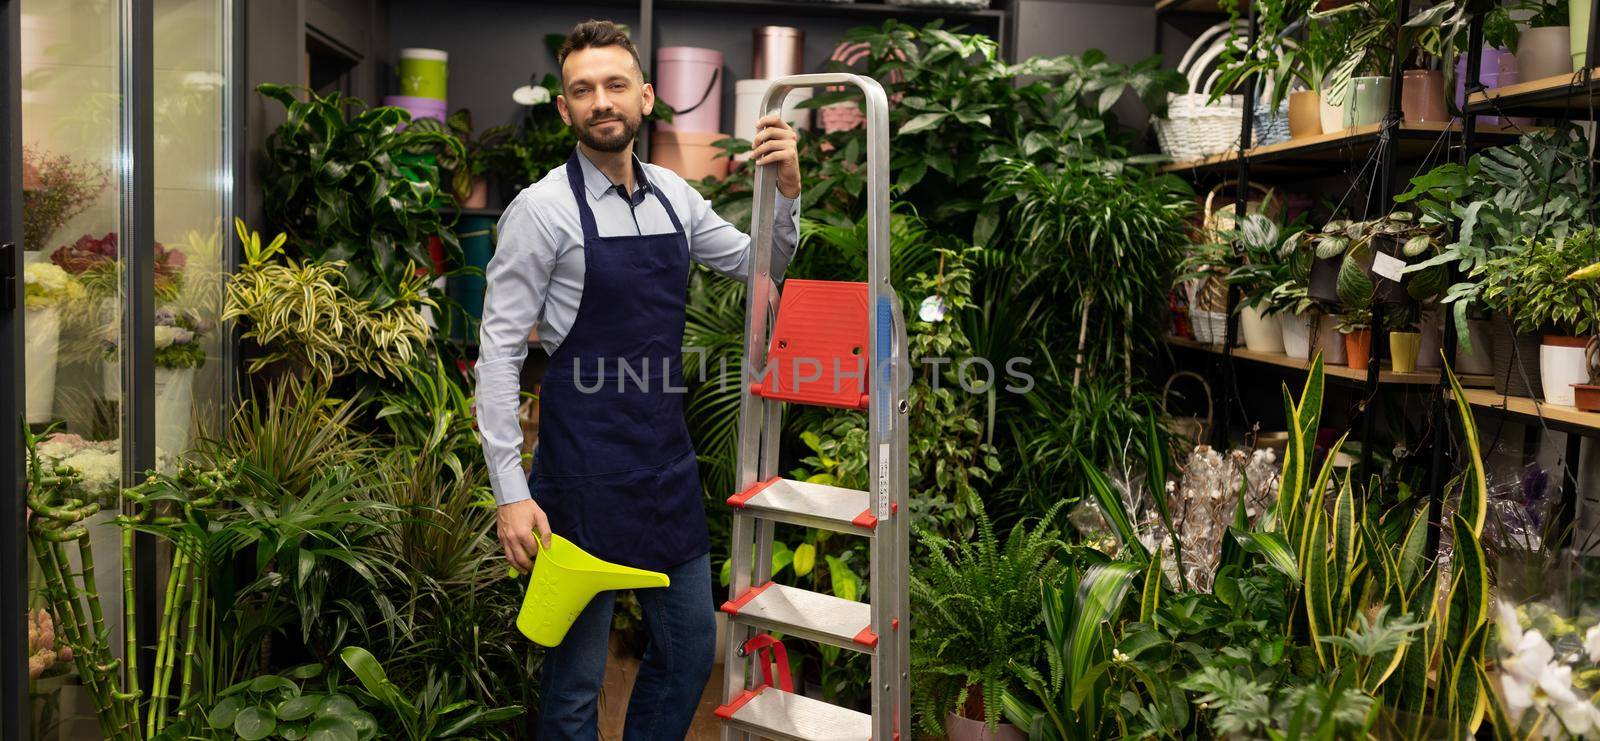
<point>476,234</point>
<point>1403,347</point>
<point>1578,32</point>
<point>424,73</point>
<point>1368,101</point>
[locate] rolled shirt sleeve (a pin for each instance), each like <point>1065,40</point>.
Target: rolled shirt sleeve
<point>517,278</point>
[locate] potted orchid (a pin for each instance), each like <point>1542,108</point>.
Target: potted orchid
<point>46,288</point>
<point>1547,621</point>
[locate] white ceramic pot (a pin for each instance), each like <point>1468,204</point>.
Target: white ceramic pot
<point>1297,336</point>
<point>1562,363</point>
<point>1478,360</point>
<point>1329,341</point>
<point>1332,116</point>
<point>42,329</point>
<point>1262,333</point>
<point>174,411</point>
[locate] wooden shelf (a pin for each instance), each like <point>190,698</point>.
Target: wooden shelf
<point>860,9</point>
<point>1416,140</point>
<point>1423,377</point>
<point>1562,96</point>
<point>1528,409</point>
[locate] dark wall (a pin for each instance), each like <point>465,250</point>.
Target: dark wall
<point>494,45</point>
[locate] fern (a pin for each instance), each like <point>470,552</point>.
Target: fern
<point>978,612</point>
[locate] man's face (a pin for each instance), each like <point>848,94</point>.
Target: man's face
<point>604,98</point>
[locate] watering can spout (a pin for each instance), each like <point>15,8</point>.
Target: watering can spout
<point>565,579</point>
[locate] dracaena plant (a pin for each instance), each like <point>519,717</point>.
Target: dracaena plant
<point>347,185</point>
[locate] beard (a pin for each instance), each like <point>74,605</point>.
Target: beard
<point>604,142</point>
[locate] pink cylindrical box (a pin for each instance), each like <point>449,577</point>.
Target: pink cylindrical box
<point>689,79</point>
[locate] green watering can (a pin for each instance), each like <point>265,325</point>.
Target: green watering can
<point>565,578</point>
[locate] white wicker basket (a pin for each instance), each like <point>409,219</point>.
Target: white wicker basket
<point>1195,127</point>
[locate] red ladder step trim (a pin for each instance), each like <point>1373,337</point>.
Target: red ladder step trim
<point>743,497</point>
<point>726,711</point>
<point>867,638</point>
<point>866,519</point>
<point>733,607</point>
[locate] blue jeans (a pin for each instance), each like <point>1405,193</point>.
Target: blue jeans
<point>677,662</point>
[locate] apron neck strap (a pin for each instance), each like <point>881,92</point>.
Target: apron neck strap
<point>580,193</point>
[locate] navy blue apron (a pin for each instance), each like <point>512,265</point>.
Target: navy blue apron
<point>616,470</point>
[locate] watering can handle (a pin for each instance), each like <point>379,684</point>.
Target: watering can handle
<point>512,572</point>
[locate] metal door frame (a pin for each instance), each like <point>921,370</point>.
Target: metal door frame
<point>14,710</point>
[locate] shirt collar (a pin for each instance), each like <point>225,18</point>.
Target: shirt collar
<point>597,183</point>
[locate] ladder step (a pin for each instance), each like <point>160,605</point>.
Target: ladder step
<point>809,505</point>
<point>809,615</point>
<point>772,713</point>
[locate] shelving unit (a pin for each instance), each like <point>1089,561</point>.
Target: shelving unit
<point>1567,419</point>
<point>1416,141</point>
<point>1386,377</point>
<point>1208,7</point>
<point>1572,96</point>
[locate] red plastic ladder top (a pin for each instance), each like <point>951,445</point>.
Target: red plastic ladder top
<point>819,352</point>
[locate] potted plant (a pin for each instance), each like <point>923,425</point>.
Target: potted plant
<point>1203,274</point>
<point>1537,187</point>
<point>1405,337</point>
<point>978,634</point>
<point>45,288</point>
<point>1544,288</point>
<point>1264,253</point>
<point>1544,47</point>
<point>1586,396</point>
<point>1356,296</point>
<point>479,155</point>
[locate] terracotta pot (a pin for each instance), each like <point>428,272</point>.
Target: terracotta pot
<point>1305,114</point>
<point>1422,96</point>
<point>1562,363</point>
<point>967,729</point>
<point>1586,397</point>
<point>1403,348</point>
<point>1358,348</point>
<point>1544,52</point>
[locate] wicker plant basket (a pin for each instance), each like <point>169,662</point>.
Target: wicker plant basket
<point>1195,127</point>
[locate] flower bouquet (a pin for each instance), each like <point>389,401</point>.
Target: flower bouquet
<point>1547,616</point>
<point>95,262</point>
<point>45,288</point>
<point>55,188</point>
<point>98,462</point>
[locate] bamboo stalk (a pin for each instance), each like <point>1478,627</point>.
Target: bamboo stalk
<point>195,585</point>
<point>158,698</point>
<point>102,634</point>
<point>66,618</point>
<point>169,636</point>
<point>129,627</point>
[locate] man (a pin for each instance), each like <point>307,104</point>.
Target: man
<point>596,255</point>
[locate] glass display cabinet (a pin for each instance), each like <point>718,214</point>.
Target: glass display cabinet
<point>126,143</point>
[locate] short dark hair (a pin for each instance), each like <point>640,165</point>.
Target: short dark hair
<point>593,34</point>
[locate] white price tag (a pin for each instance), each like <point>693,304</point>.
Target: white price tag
<point>1388,266</point>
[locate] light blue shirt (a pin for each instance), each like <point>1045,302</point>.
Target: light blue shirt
<point>536,279</point>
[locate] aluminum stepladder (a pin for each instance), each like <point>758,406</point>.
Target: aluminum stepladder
<point>825,322</point>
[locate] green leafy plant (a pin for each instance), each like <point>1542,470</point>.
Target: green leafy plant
<point>978,608</point>
<point>355,189</point>
<point>301,312</point>
<point>477,154</point>
<point>1532,286</point>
